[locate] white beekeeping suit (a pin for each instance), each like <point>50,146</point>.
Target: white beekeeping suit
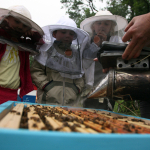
<point>78,45</point>
<point>58,76</point>
<point>95,26</point>
<point>90,52</point>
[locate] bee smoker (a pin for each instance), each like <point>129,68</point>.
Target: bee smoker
<point>129,80</point>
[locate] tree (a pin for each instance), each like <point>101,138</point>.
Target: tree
<point>128,8</point>
<point>78,10</point>
<point>117,8</point>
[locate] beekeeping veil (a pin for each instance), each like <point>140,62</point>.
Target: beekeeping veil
<point>50,57</point>
<point>23,15</point>
<point>119,22</point>
<point>118,25</point>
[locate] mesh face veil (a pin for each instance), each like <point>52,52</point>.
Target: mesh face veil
<point>54,58</point>
<point>117,28</point>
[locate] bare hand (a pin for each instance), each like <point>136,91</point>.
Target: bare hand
<point>106,70</point>
<point>102,37</point>
<point>95,59</point>
<point>138,31</point>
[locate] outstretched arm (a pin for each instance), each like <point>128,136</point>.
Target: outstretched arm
<point>138,31</point>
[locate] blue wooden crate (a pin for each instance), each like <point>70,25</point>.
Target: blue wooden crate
<point>23,139</point>
<point>29,98</point>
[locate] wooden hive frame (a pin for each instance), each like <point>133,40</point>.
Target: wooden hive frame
<point>22,138</point>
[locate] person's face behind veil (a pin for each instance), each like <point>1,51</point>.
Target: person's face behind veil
<point>102,27</point>
<point>65,36</point>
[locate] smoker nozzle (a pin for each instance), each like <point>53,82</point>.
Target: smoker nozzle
<point>104,88</point>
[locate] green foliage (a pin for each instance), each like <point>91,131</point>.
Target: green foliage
<point>117,8</point>
<point>128,8</point>
<point>78,10</point>
<point>127,107</point>
<point>31,58</point>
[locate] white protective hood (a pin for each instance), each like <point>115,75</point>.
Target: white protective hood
<point>120,21</point>
<point>63,23</point>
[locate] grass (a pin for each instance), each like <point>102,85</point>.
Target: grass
<point>127,107</point>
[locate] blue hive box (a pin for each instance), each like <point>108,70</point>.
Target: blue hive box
<point>23,139</point>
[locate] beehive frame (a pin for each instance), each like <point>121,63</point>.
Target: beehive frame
<point>24,139</point>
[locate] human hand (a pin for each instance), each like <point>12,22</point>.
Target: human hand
<point>102,35</point>
<point>106,69</point>
<point>99,38</point>
<point>138,31</point>
<point>95,59</point>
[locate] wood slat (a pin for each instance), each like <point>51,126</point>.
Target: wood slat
<point>34,122</point>
<point>13,118</point>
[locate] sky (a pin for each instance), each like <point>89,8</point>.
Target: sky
<point>43,12</point>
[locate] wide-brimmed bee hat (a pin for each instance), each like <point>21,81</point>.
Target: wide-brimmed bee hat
<point>65,23</point>
<point>120,21</point>
<point>23,15</point>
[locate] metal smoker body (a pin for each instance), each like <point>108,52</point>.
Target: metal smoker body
<point>129,80</point>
